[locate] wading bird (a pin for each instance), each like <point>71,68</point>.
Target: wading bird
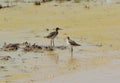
<point>72,43</point>
<point>52,35</point>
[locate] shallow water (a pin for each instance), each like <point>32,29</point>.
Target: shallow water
<point>47,64</point>
<point>50,64</point>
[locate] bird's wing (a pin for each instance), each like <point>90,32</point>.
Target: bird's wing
<point>74,43</point>
<point>51,34</point>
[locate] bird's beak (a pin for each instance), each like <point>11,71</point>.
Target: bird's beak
<point>60,29</point>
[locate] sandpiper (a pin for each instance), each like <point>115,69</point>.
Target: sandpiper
<point>52,35</point>
<point>72,43</point>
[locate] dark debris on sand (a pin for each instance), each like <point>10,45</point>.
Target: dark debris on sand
<point>27,47</point>
<point>10,47</point>
<point>5,58</point>
<point>2,67</point>
<point>34,47</point>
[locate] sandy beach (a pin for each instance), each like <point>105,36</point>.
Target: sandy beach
<point>97,29</point>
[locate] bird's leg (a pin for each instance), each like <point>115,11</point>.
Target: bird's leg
<point>71,51</point>
<point>53,43</point>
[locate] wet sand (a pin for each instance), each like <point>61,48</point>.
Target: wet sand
<point>96,29</point>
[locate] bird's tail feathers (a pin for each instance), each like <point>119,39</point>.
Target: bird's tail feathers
<point>78,44</point>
